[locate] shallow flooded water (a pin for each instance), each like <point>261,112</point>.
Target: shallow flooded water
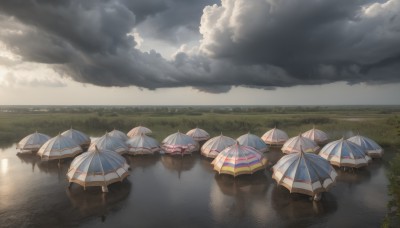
<point>165,191</point>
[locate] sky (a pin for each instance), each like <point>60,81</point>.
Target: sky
<point>200,52</point>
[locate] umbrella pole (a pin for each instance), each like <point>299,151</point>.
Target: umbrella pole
<point>104,189</point>
<point>317,197</point>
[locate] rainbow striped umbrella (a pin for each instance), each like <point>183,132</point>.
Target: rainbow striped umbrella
<point>179,144</point>
<point>368,145</point>
<point>299,143</point>
<point>253,141</point>
<point>142,144</point>
<point>238,159</point>
<point>80,138</point>
<point>198,134</point>
<point>59,147</point>
<point>214,146</point>
<point>344,153</point>
<point>139,130</point>
<point>275,137</point>
<point>316,135</point>
<point>32,142</point>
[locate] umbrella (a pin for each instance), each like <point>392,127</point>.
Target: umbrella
<point>214,146</point>
<point>109,143</point>
<point>316,135</point>
<point>275,137</point>
<point>179,143</point>
<point>32,142</point>
<point>368,145</point>
<point>98,168</point>
<point>118,134</point>
<point>253,141</point>
<point>80,138</point>
<point>142,144</point>
<point>59,147</point>
<point>198,134</point>
<point>344,153</point>
<point>304,173</point>
<point>298,143</point>
<point>238,159</point>
<point>139,130</point>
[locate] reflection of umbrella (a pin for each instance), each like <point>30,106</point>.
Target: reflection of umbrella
<point>184,163</point>
<point>214,146</point>
<point>179,144</point>
<point>98,168</point>
<point>118,134</point>
<point>108,142</point>
<point>139,130</point>
<point>368,145</point>
<point>32,142</point>
<point>316,135</point>
<point>142,161</point>
<point>142,144</point>
<point>253,141</point>
<point>198,134</point>
<point>251,185</point>
<point>344,153</point>
<point>59,147</point>
<point>299,143</point>
<point>304,173</point>
<point>238,159</point>
<point>80,138</point>
<point>275,137</point>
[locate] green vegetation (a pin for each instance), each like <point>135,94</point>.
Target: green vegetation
<point>393,217</point>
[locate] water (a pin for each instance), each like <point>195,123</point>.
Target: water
<point>164,191</point>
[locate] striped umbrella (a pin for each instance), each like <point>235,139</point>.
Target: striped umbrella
<point>253,141</point>
<point>79,137</point>
<point>59,147</point>
<point>316,135</point>
<point>198,134</point>
<point>368,145</point>
<point>108,142</point>
<point>142,144</point>
<point>98,168</point>
<point>32,142</point>
<point>344,153</point>
<point>238,159</point>
<point>214,146</point>
<point>304,173</point>
<point>139,130</point>
<point>299,143</point>
<point>118,134</point>
<point>275,137</point>
<point>179,144</point>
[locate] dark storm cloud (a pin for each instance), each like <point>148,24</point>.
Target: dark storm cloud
<point>258,43</point>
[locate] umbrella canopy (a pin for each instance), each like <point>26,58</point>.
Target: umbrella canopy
<point>139,130</point>
<point>304,173</point>
<point>198,134</point>
<point>299,143</point>
<point>179,144</point>
<point>214,146</point>
<point>98,168</point>
<point>253,141</point>
<point>344,153</point>
<point>368,145</point>
<point>118,134</point>
<point>316,135</point>
<point>238,159</point>
<point>108,142</point>
<point>79,137</point>
<point>275,136</point>
<point>59,147</point>
<point>142,144</point>
<point>32,142</point>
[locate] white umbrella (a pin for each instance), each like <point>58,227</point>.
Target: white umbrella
<point>142,144</point>
<point>59,147</point>
<point>304,173</point>
<point>108,142</point>
<point>98,168</point>
<point>139,130</point>
<point>316,135</point>
<point>32,142</point>
<point>253,141</point>
<point>198,134</point>
<point>344,153</point>
<point>214,146</point>
<point>369,146</point>
<point>179,144</point>
<point>299,143</point>
<point>79,137</point>
<point>275,137</point>
<point>118,134</point>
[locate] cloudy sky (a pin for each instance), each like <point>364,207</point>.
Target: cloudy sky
<point>168,52</point>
